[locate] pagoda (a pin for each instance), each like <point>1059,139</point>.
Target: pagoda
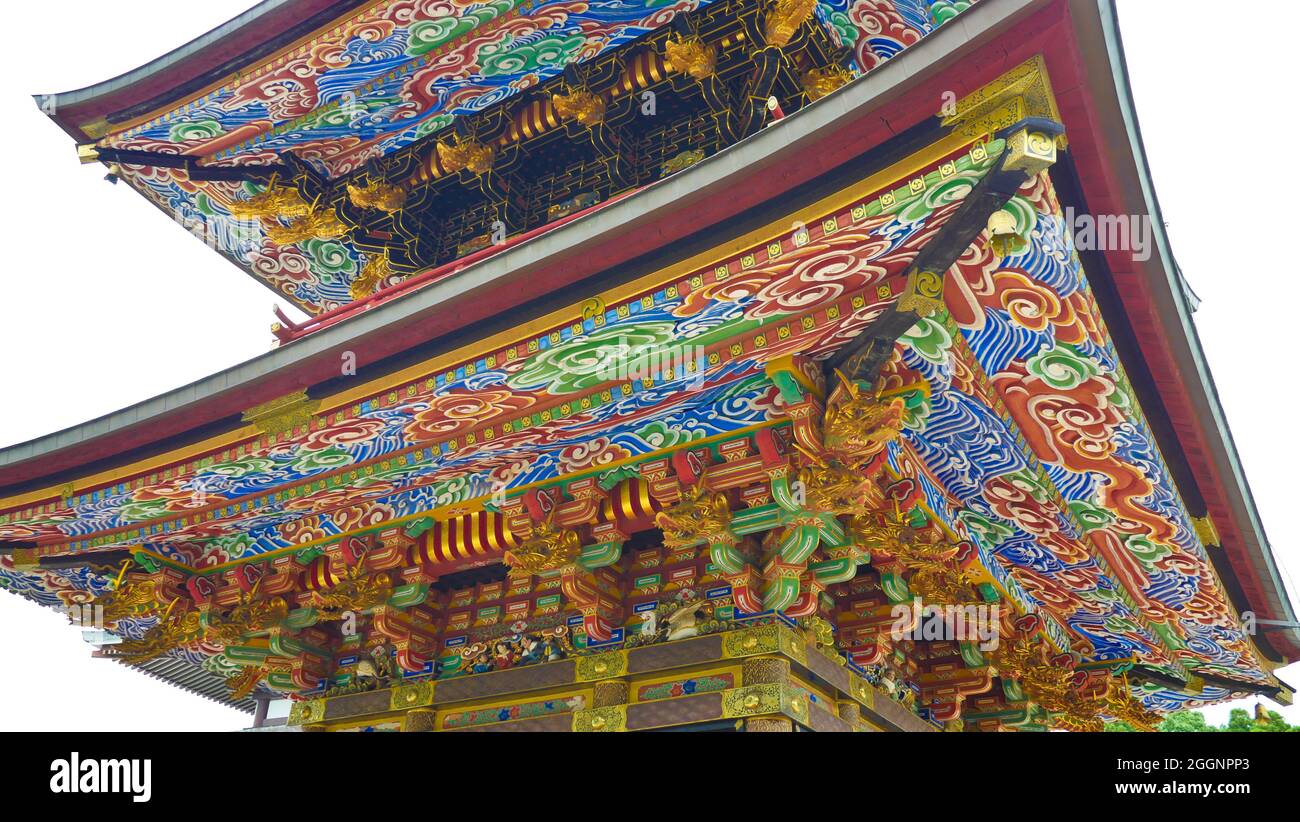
<point>759,365</point>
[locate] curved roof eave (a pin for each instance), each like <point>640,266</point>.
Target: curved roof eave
<point>234,44</point>
<point>1187,347</point>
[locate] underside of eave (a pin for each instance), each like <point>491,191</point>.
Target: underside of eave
<point>193,679</point>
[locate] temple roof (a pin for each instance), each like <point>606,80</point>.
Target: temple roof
<point>108,486</point>
<point>327,89</point>
<point>377,78</point>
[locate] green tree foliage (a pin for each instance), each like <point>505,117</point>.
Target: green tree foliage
<point>1239,721</point>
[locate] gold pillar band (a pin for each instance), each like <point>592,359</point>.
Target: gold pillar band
<point>419,720</point>
<point>764,724</point>
<point>765,670</point>
<point>610,692</point>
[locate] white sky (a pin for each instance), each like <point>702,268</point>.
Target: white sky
<point>106,302</point>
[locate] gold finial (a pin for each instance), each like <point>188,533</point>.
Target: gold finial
<point>1004,240</point>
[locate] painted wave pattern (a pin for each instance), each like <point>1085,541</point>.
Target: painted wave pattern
<point>1000,500</point>
<point>849,261</point>
<point>1089,460</point>
<point>877,30</point>
<point>398,71</point>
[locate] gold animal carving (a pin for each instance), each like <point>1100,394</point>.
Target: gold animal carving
<point>819,82</point>
<point>356,594</point>
<point>547,548</point>
<point>317,224</point>
<point>833,488</point>
<point>879,533</point>
<point>273,203</point>
<point>1124,707</point>
<point>466,154</point>
<point>785,18</point>
<point>691,55</point>
<point>581,105</point>
<point>935,575</point>
<point>1049,686</point>
<point>243,683</point>
<point>248,617</point>
<point>700,516</point>
<point>373,274</point>
<point>185,629</point>
<point>858,425</point>
<point>386,197</point>
<point>133,599</point>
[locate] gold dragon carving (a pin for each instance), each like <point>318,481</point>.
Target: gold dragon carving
<point>581,105</point>
<point>357,593</point>
<point>1052,687</point>
<point>249,616</point>
<point>691,55</point>
<point>466,153</point>
<point>858,425</point>
<point>373,274</point>
<point>701,516</point>
<point>935,576</point>
<point>784,18</point>
<point>132,599</point>
<point>819,82</point>
<point>385,197</point>
<point>319,223</point>
<point>272,203</point>
<point>547,548</point>
<point>181,630</point>
<point>833,488</point>
<point>243,683</point>
<point>1124,707</point>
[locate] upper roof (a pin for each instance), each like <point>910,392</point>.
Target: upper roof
<point>331,87</point>
<point>336,85</point>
